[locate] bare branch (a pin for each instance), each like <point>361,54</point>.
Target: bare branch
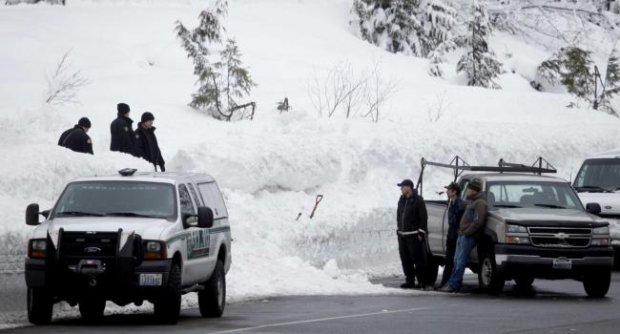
<point>63,84</point>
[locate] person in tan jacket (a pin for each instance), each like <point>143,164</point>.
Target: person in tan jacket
<point>472,224</point>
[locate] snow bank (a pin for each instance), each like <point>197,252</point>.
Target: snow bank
<point>270,169</point>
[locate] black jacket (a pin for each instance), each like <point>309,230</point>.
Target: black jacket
<point>77,140</point>
<point>122,135</point>
<point>147,147</point>
<point>411,214</point>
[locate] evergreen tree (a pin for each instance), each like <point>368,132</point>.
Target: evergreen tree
<point>479,63</point>
<point>412,27</point>
<point>223,82</point>
<point>576,73</point>
<point>612,75</point>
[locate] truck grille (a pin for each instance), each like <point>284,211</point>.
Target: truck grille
<point>558,237</point>
<point>75,246</point>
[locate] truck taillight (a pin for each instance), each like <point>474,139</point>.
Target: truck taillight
<point>37,249</point>
<point>154,250</point>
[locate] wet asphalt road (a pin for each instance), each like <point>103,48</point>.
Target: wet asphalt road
<point>550,307</point>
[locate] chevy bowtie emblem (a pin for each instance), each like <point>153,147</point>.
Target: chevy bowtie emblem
<point>92,250</point>
<point>561,235</point>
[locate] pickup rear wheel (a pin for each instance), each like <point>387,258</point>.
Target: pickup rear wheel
<point>40,306</point>
<point>168,304</point>
<point>91,309</point>
<point>489,278</point>
<point>212,300</point>
<point>597,283</point>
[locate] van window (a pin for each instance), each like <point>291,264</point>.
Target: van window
<point>197,199</point>
<point>213,199</point>
<point>187,207</point>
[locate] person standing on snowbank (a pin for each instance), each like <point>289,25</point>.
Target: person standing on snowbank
<point>122,131</point>
<point>146,142</point>
<point>76,138</point>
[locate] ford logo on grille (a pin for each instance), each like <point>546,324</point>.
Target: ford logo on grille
<point>92,250</point>
<point>608,207</point>
<point>561,235</point>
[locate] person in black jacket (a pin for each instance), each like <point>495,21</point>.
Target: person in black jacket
<point>76,138</point>
<point>122,131</point>
<point>146,142</point>
<point>456,208</point>
<point>412,221</point>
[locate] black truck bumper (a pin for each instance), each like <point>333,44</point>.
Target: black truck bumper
<point>522,260</point>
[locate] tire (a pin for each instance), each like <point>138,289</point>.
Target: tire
<point>40,306</point>
<point>597,283</point>
<point>524,282</point>
<point>92,309</point>
<point>490,279</point>
<point>168,304</point>
<point>212,300</point>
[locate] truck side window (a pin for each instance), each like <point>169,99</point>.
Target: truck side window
<point>187,207</point>
<point>213,199</point>
<point>197,199</point>
<point>464,185</point>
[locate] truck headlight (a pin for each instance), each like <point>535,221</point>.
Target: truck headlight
<point>510,228</point>
<point>601,230</point>
<point>154,250</point>
<point>600,242</point>
<point>37,249</point>
<point>517,240</point>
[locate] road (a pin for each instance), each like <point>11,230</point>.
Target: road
<point>550,307</point>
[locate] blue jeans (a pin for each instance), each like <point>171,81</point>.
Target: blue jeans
<point>464,246</point>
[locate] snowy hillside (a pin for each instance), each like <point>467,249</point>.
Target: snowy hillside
<point>272,168</point>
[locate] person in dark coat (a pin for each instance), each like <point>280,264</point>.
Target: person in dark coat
<point>412,223</point>
<point>456,208</point>
<point>122,131</point>
<point>146,142</point>
<point>76,138</point>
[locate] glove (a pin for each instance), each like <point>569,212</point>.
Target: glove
<point>162,167</point>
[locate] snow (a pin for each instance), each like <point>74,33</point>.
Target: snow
<point>271,169</point>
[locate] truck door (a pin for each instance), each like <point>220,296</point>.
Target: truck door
<point>197,241</point>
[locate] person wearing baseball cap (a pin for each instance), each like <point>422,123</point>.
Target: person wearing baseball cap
<point>412,220</point>
<point>470,227</point>
<point>76,138</point>
<point>456,208</point>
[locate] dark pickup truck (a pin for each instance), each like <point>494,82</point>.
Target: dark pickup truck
<point>536,228</point>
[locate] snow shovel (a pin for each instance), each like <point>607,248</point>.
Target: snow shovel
<point>319,198</point>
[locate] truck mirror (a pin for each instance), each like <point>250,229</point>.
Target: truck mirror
<point>593,208</point>
<point>32,214</point>
<point>205,217</point>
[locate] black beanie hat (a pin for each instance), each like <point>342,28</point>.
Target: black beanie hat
<point>84,122</point>
<point>147,116</point>
<point>122,108</point>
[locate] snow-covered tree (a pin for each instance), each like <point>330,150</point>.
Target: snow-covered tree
<point>577,72</point>
<point>612,75</point>
<point>479,63</point>
<point>221,82</point>
<point>411,27</point>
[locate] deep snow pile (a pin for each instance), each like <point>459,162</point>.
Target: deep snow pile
<point>270,169</point>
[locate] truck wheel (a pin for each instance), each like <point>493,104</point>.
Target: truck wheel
<point>40,306</point>
<point>489,278</point>
<point>92,309</point>
<point>212,300</point>
<point>597,283</point>
<point>524,282</point>
<point>168,304</point>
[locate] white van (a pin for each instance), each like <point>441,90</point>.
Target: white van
<point>598,181</point>
<point>129,238</point>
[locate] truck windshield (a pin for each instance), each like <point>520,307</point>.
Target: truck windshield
<point>117,198</point>
<point>599,175</point>
<point>552,195</point>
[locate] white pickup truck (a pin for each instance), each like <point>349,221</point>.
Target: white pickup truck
<point>598,181</point>
<point>129,238</point>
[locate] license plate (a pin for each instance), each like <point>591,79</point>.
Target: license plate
<point>564,264</point>
<point>150,279</point>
